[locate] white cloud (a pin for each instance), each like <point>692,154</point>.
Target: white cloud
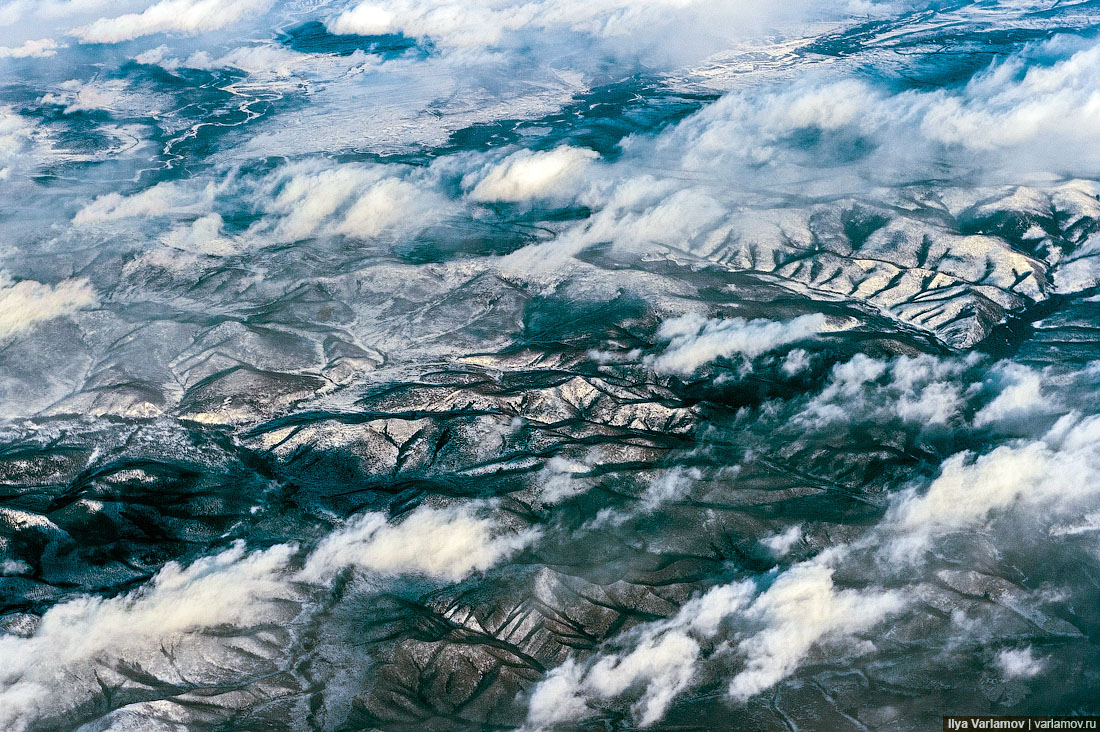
<point>1020,396</point>
<point>78,96</point>
<point>782,542</point>
<point>526,175</point>
<point>1019,663</point>
<point>202,236</point>
<point>388,204</point>
<point>688,28</point>
<point>13,567</point>
<point>309,198</point>
<point>920,389</point>
<point>665,663</point>
<point>300,200</point>
<point>1002,109</point>
<point>171,16</point>
<point>637,216</point>
<point>671,486</point>
<point>261,61</point>
<point>802,608</point>
<point>795,362</point>
<point>25,303</point>
<point>444,543</point>
<point>662,662</point>
<point>935,403</point>
<point>557,481</point>
<point>1006,118</point>
<point>559,697</point>
<point>1055,473</point>
<point>158,56</point>
<point>365,19</point>
<point>41,48</point>
<point>16,136</point>
<point>799,610</point>
<point>47,672</point>
<point>77,642</point>
<point>694,340</point>
<point>354,200</point>
<point>163,199</point>
<point>771,629</point>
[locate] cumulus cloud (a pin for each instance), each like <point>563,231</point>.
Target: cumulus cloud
<point>662,663</point>
<point>354,200</point>
<point>770,627</point>
<point>694,340</point>
<point>1018,663</point>
<point>60,664</point>
<point>297,201</point>
<point>918,389</point>
<point>13,567</point>
<point>18,136</point>
<point>1056,473</point>
<point>163,199</point>
<point>1014,104</point>
<point>171,16</point>
<point>366,19</point>
<point>1020,396</point>
<point>663,29</point>
<point>559,697</point>
<point>636,216</point>
<point>752,182</point>
<point>202,236</point>
<point>669,487</point>
<point>526,175</point>
<point>309,198</point>
<point>665,664</point>
<point>253,60</point>
<point>795,362</point>
<point>1056,470</point>
<point>802,608</point>
<point>1014,116</point>
<point>390,203</point>
<point>444,543</point>
<point>26,302</point>
<point>936,403</point>
<point>41,48</point>
<point>46,672</point>
<point>782,624</point>
<point>784,541</point>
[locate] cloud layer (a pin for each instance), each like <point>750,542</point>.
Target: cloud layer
<point>171,16</point>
